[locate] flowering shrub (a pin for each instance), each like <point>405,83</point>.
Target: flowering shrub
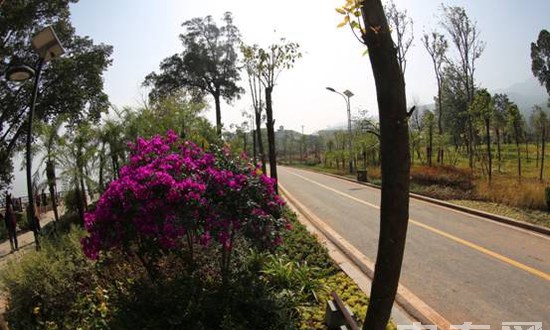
<point>173,194</point>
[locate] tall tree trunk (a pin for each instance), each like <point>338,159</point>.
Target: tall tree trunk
<point>430,145</point>
<point>79,205</point>
<point>498,149</point>
<point>271,137</point>
<point>526,148</point>
<point>488,134</point>
<point>50,176</point>
<point>101,168</point>
<point>516,129</point>
<point>537,151</point>
<point>254,147</point>
<point>470,143</point>
<point>84,199</point>
<point>542,152</point>
<point>218,114</point>
<point>394,146</point>
<point>440,151</point>
<point>258,118</point>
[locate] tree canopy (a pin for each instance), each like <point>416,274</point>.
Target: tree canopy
<point>540,57</point>
<point>71,85</point>
<point>207,65</point>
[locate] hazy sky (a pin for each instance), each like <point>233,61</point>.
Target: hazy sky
<point>143,32</point>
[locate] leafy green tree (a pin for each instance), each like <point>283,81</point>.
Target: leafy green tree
<point>368,20</point>
<point>436,45</point>
<point>269,63</point>
<point>465,36</point>
<point>207,65</point>
<point>251,65</point>
<point>539,119</point>
<point>540,57</point>
<point>428,122</point>
<point>454,104</point>
<point>49,147</point>
<point>500,110</point>
<point>515,123</point>
<point>482,110</point>
<point>71,85</point>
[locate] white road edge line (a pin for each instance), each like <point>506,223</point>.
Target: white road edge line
<point>526,231</point>
<point>405,299</point>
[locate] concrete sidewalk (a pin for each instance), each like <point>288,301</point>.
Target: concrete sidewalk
<point>25,239</point>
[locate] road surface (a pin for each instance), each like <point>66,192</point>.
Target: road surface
<point>467,268</point>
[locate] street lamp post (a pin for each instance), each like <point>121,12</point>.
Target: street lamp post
<point>347,95</point>
<point>47,46</point>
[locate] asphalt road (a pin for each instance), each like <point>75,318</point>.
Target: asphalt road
<point>467,268</point>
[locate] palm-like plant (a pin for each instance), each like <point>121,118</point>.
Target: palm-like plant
<point>48,146</point>
<point>77,149</point>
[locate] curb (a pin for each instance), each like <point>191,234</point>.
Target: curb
<point>409,302</point>
<point>487,215</point>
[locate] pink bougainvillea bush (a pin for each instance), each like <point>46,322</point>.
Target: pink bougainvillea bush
<point>173,195</point>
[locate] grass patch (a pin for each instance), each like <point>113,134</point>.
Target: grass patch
<point>541,218</point>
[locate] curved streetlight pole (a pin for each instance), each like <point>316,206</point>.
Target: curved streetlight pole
<point>346,95</point>
<point>31,210</point>
<point>48,46</point>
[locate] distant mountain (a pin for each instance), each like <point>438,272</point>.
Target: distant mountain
<point>526,94</point>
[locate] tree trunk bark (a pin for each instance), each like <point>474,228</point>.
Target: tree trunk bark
<point>440,152</point>
<point>488,131</point>
<point>394,146</point>
<point>498,149</point>
<point>50,176</point>
<point>430,147</point>
<point>271,137</point>
<point>542,153</point>
<point>470,143</point>
<point>519,153</point>
<point>102,169</point>
<point>218,114</point>
<point>258,118</point>
<point>526,148</point>
<point>254,147</point>
<point>79,205</point>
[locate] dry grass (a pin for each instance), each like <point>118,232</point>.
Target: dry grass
<point>505,190</point>
<point>541,218</point>
<point>446,176</point>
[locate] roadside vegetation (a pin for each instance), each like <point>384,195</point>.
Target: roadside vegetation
<point>59,288</point>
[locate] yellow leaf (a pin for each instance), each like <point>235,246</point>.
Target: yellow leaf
<point>341,11</point>
<point>344,22</point>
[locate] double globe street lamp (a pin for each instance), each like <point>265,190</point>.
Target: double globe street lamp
<point>47,46</point>
<point>346,95</point>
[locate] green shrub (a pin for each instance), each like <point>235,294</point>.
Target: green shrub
<point>300,245</point>
<point>22,221</point>
<point>55,288</point>
<point>71,200</point>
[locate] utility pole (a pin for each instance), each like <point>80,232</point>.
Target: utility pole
<point>347,95</point>
<point>302,145</point>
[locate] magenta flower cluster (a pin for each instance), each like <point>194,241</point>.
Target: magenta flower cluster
<point>173,193</point>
